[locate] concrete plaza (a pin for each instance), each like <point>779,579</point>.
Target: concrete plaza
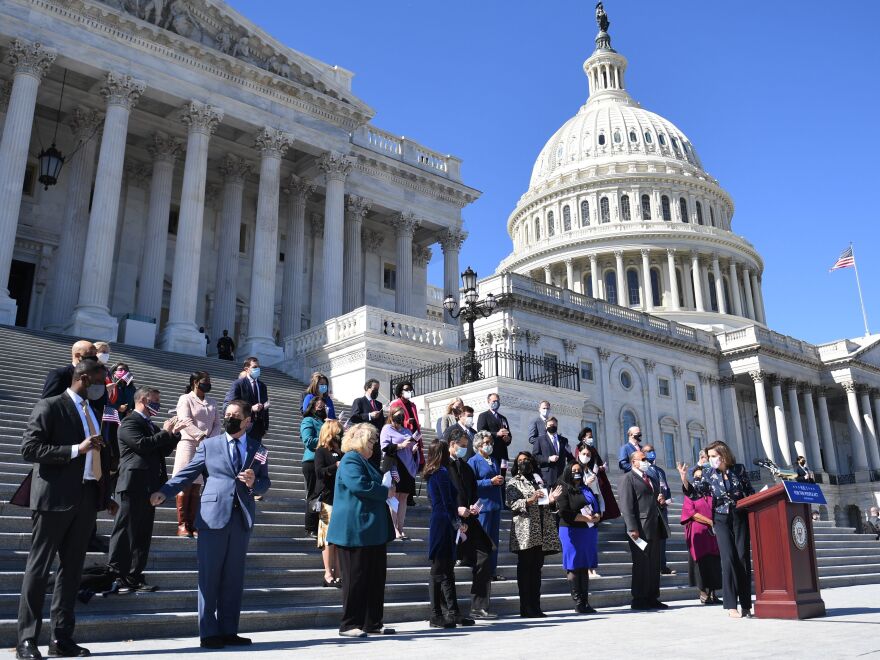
<point>686,630</point>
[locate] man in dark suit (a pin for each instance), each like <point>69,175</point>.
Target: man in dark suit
<point>251,389</point>
<point>476,550</point>
<point>552,452</point>
<point>226,347</point>
<point>236,469</point>
<point>58,380</point>
<point>658,474</point>
<point>539,423</point>
<point>640,499</point>
<point>464,424</point>
<point>368,410</point>
<point>71,482</point>
<point>495,423</point>
<point>142,471</point>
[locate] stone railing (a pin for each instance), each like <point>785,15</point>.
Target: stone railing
<point>754,335</point>
<point>407,151</point>
<point>375,322</point>
<point>520,285</point>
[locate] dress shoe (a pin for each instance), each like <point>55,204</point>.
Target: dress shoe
<point>352,632</point>
<point>639,606</point>
<point>590,609</point>
<point>667,571</point>
<point>441,622</point>
<point>138,584</point>
<point>236,640</point>
<point>483,614</point>
<point>67,649</point>
<point>215,642</point>
<point>463,620</point>
<point>657,605</point>
<point>498,578</point>
<point>27,649</point>
<point>381,630</point>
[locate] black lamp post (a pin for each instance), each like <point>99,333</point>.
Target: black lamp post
<point>472,310</point>
<point>51,160</point>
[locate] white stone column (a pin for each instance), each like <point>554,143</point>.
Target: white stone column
<point>578,279</point>
<point>647,287</point>
<point>336,168</point>
<point>622,297</point>
<point>763,414</point>
<point>828,443</point>
<point>730,415</point>
<point>759,300</point>
<point>421,256</point>
<point>870,431</point>
<point>698,282</point>
<point>734,289</point>
<point>29,61</point>
<point>91,317</point>
<point>548,275</point>
<point>356,209</point>
<point>779,416</point>
<point>815,455</point>
<point>405,225</point>
<point>64,287</point>
<point>860,454</point>
<point>569,274</point>
<point>450,242</point>
<point>5,92</point>
<point>272,144</point>
<point>747,287</point>
<point>719,285</point>
<point>181,334</point>
<point>796,426</point>
<point>164,151</point>
<point>673,280</point>
<point>234,171</point>
<point>594,276</point>
<point>299,192</point>
<point>876,396</point>
<point>316,225</point>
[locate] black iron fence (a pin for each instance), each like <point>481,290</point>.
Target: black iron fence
<point>489,364</point>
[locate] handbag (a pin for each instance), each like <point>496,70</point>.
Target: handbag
<point>22,495</point>
<point>315,504</point>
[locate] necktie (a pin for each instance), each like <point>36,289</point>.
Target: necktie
<point>256,392</point>
<point>646,480</point>
<point>96,453</point>
<point>555,445</point>
<point>236,456</point>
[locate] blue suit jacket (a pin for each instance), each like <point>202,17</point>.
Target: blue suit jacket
<point>444,515</point>
<point>360,515</point>
<point>212,459</point>
<point>490,496</point>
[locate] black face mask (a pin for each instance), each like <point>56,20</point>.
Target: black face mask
<point>374,394</point>
<point>398,419</point>
<point>526,469</point>
<point>551,429</point>
<point>577,476</point>
<point>205,387</point>
<point>321,414</point>
<point>232,425</point>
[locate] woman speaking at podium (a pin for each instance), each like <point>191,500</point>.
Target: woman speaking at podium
<point>727,482</point>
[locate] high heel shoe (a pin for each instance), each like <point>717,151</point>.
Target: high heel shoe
<point>326,583</point>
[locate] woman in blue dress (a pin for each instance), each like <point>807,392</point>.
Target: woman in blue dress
<point>579,513</point>
<point>487,470</point>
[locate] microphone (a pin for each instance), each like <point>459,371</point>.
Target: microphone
<point>757,461</point>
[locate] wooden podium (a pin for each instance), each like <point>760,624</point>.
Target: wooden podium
<point>783,556</point>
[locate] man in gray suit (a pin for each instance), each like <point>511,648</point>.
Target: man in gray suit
<point>640,498</point>
<point>237,469</point>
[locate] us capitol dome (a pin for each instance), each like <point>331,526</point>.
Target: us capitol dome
<point>620,208</point>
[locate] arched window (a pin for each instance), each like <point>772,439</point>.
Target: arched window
<point>605,210</point>
<point>624,208</point>
<point>601,139</point>
<point>588,286</point>
<point>537,229</point>
<point>699,213</point>
<point>675,146</point>
<point>616,136</point>
<point>633,137</point>
<point>680,288</point>
<point>560,153</point>
<point>627,420</point>
<point>727,304</point>
<point>632,287</point>
<point>611,287</point>
<point>646,207</point>
<point>664,206</point>
<point>566,218</point>
<point>648,138</point>
<point>656,292</point>
<point>712,215</point>
<point>662,139</point>
<point>585,213</point>
<point>604,80</point>
<point>713,293</point>
<point>550,228</point>
<point>683,208</point>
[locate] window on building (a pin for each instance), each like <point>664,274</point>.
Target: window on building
<point>696,446</point>
<point>551,363</point>
<point>587,371</point>
<point>669,448</point>
<point>605,209</point>
<point>633,137</point>
<point>566,218</point>
<point>585,213</point>
<point>626,380</point>
<point>656,293</point>
<point>699,213</point>
<point>680,288</point>
<point>712,215</point>
<point>30,179</point>
<point>628,419</point>
<point>611,287</point>
<point>663,386</point>
<point>537,229</point>
<point>624,208</point>
<point>683,209</point>
<point>648,138</point>
<point>551,229</point>
<point>662,139</point>
<point>588,286</point>
<point>691,391</point>
<point>601,139</point>
<point>646,207</point>
<point>727,296</point>
<point>665,208</point>
<point>713,293</point>
<point>616,137</point>
<point>632,286</point>
<point>389,277</point>
<point>675,146</point>
<point>174,219</point>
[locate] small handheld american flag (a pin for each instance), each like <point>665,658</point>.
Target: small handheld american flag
<point>260,457</point>
<point>110,415</point>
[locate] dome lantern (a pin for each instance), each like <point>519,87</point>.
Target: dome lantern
<point>605,67</point>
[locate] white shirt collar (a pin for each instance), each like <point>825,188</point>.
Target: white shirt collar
<point>637,471</point>
<point>229,438</point>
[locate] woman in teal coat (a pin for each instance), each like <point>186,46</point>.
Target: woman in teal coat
<point>309,430</point>
<point>360,528</point>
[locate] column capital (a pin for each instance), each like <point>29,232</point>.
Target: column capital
<point>821,391</point>
<point>849,387</point>
<point>758,376</point>
<point>122,90</point>
<point>451,240</point>
<point>5,92</point>
<point>235,169</point>
<point>300,188</point>
<point>317,222</point>
<point>650,365</point>
<point>357,206</point>
<point>704,378</point>
<point>335,166</point>
<point>548,269</point>
<point>421,255</point>
<point>670,252</point>
<point>745,270</point>
<point>137,173</point>
<point>200,117</point>
<point>677,372</point>
<point>593,259</point>
<point>569,346</point>
<point>84,123</point>
<point>33,59</point>
<point>618,254</point>
<point>405,223</point>
<point>727,381</point>
<point>569,261</point>
<point>804,388</point>
<point>272,142</point>
<point>715,258</point>
<point>790,383</point>
<point>603,354</point>
<point>372,239</point>
<point>863,389</point>
<point>164,148</point>
<point>695,256</point>
<point>776,380</point>
<point>646,252</point>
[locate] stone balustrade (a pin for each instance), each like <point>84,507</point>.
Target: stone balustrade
<point>407,151</point>
<point>757,335</point>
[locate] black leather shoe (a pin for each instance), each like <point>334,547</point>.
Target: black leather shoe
<point>121,586</point>
<point>657,605</point>
<point>464,620</point>
<point>212,642</point>
<point>236,640</point>
<point>498,578</point>
<point>441,622</point>
<point>27,649</point>
<point>67,649</point>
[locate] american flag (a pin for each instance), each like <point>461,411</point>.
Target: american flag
<point>262,456</point>
<point>110,415</point>
<point>845,260</point>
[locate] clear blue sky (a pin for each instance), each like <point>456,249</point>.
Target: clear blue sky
<point>780,99</point>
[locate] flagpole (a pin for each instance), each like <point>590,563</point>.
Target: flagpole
<point>859,286</point>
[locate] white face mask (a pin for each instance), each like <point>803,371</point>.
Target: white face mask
<point>469,421</point>
<point>407,394</point>
<point>487,450</point>
<point>103,358</point>
<point>715,462</point>
<point>544,412</point>
<point>644,465</point>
